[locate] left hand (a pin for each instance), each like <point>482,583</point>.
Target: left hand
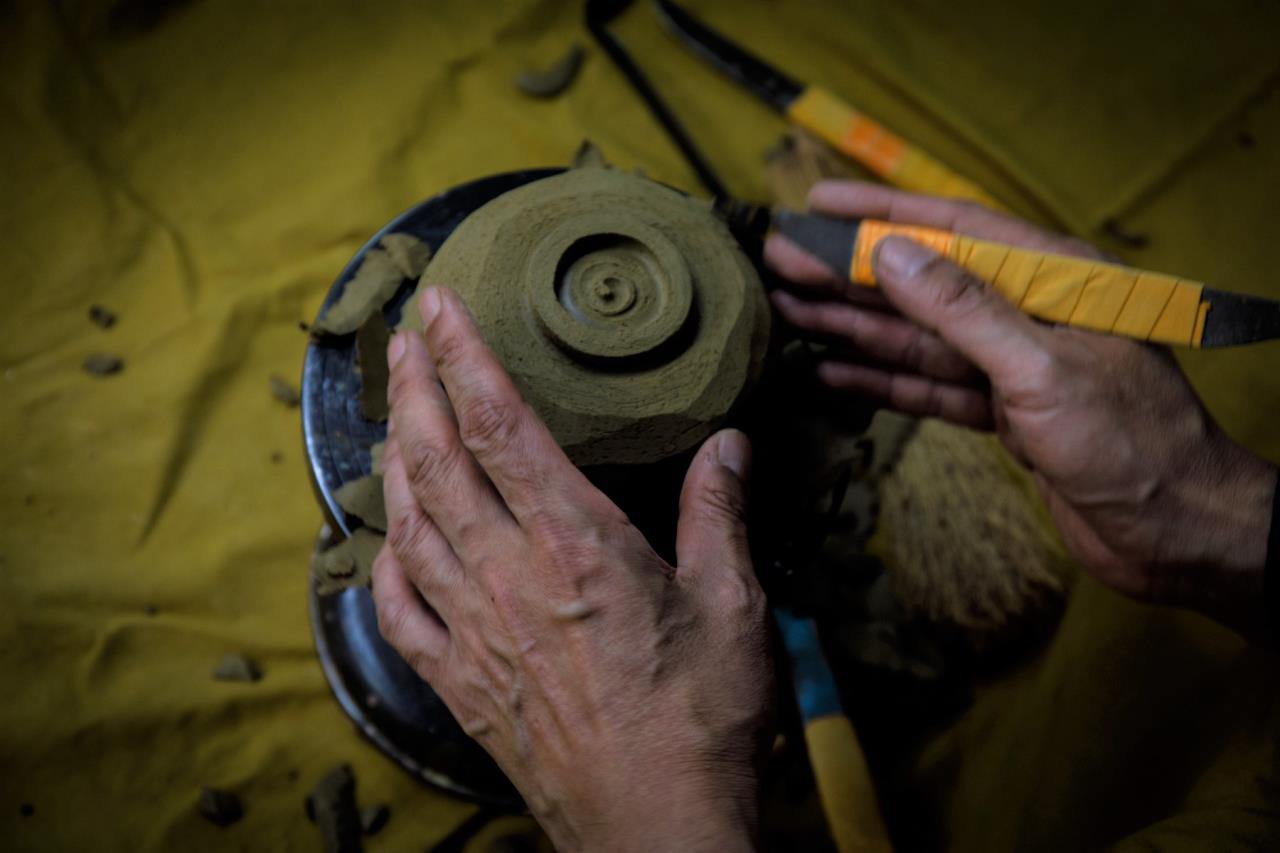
<point>625,698</point>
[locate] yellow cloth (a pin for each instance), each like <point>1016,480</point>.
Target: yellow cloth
<point>205,169</point>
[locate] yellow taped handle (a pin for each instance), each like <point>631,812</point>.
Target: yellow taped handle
<point>1072,291</point>
<point>886,154</point>
<point>844,786</point>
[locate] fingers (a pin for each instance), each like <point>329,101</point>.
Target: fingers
<point>512,445</point>
<point>712,530</point>
<point>423,554</point>
<point>886,338</point>
<point>873,201</point>
<point>913,395</point>
<point>961,310</point>
<point>404,619</point>
<point>442,475</point>
<point>808,273</point>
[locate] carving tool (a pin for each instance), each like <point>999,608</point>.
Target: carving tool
<point>1079,292</point>
<point>817,110</point>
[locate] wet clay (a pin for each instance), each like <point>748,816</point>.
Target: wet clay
<point>362,498</point>
<point>371,356</point>
<point>349,563</point>
<point>407,252</point>
<point>399,256</point>
<point>624,311</point>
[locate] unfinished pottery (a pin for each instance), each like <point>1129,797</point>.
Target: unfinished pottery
<point>624,311</point>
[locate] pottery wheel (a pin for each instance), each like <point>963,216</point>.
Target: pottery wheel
<point>385,699</point>
<point>633,324</point>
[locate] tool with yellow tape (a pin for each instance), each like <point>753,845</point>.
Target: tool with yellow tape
<point>1079,292</point>
<point>851,132</point>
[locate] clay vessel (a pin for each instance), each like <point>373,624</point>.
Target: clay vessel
<point>624,311</point>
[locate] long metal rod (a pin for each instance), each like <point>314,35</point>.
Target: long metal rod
<point>598,15</point>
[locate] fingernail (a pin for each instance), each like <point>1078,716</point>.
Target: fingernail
<point>429,305</point>
<point>731,451</point>
<point>899,258</point>
<point>395,349</point>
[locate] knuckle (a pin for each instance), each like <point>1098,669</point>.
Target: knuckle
<point>489,423</point>
<point>720,503</point>
<point>738,595</point>
<point>912,354</point>
<point>425,461</point>
<point>393,618</point>
<point>448,347</point>
<point>408,538</point>
<point>1042,370</point>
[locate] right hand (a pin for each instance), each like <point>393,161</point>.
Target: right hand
<point>1147,492</point>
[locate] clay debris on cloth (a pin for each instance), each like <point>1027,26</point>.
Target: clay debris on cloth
<point>102,317</point>
<point>397,257</point>
<point>551,81</point>
<point>102,364</point>
<point>237,667</point>
<point>284,390</point>
<point>331,805</point>
<point>221,808</point>
<point>347,564</point>
<point>625,312</point>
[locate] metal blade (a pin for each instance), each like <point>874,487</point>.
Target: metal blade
<point>829,240</point>
<point>1236,318</point>
<point>763,79</point>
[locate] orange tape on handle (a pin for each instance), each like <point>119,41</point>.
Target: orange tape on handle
<point>887,155</point>
<point>1072,291</point>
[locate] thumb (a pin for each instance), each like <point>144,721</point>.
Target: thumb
<point>956,305</point>
<point>713,506</point>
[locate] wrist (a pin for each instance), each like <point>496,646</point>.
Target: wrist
<point>1222,571</point>
<point>712,814</point>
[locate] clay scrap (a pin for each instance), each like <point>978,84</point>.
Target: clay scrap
<point>102,364</point>
<point>371,357</point>
<point>399,256</point>
<point>408,253</point>
<point>374,283</point>
<point>363,499</point>
<point>236,667</point>
<point>332,806</point>
<point>284,391</point>
<point>374,818</point>
<point>588,156</point>
<point>101,317</point>
<point>551,81</point>
<point>347,564</point>
<point>221,808</point>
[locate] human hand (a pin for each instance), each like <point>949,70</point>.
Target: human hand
<point>625,698</point>
<point>1146,490</point>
